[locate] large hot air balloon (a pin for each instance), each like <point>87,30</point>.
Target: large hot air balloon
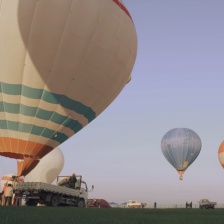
<point>181,146</point>
<point>221,154</point>
<point>48,168</point>
<point>62,62</point>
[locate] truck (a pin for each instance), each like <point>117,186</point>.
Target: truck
<point>51,194</point>
<point>135,204</point>
<point>205,203</point>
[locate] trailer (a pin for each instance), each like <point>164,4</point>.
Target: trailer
<point>52,195</point>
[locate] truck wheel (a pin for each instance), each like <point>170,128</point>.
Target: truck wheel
<point>55,200</point>
<point>81,203</point>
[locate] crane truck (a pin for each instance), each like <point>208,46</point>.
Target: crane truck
<point>52,195</point>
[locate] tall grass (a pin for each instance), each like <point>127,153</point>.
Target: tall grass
<point>61,215</point>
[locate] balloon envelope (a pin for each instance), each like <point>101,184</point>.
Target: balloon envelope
<point>181,146</point>
<point>48,168</point>
<point>62,63</point>
<point>221,154</point>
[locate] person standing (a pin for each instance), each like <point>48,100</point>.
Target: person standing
<point>72,181</point>
<point>154,204</point>
<point>15,180</point>
<point>8,194</point>
<point>1,198</point>
<point>3,194</point>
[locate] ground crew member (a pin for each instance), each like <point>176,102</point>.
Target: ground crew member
<point>15,180</point>
<point>1,198</point>
<point>3,194</point>
<point>8,194</point>
<point>72,181</point>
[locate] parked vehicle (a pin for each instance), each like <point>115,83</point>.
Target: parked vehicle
<point>205,203</point>
<point>52,195</point>
<point>135,204</point>
<point>98,203</point>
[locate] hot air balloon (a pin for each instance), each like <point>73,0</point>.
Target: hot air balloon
<point>48,168</point>
<point>221,154</point>
<point>61,64</point>
<point>181,146</point>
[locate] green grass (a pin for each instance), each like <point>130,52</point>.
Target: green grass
<point>61,215</point>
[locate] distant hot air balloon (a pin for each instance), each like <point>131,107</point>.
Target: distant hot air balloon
<point>48,168</point>
<point>221,154</point>
<point>61,64</point>
<point>181,146</point>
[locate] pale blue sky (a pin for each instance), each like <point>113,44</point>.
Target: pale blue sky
<point>177,81</point>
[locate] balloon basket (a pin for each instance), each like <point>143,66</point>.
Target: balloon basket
<point>181,177</point>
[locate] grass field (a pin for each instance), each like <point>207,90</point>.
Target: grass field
<point>64,215</point>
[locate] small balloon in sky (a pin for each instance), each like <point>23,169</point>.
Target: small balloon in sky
<point>181,146</point>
